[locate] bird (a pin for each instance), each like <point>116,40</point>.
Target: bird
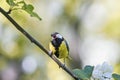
<point>59,46</point>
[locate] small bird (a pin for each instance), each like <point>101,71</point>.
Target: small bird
<point>59,46</point>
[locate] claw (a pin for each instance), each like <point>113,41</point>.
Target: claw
<point>62,66</point>
<point>51,53</point>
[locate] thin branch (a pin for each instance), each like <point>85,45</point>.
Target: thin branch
<point>37,43</point>
<point>9,11</point>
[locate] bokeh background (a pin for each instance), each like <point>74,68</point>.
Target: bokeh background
<point>91,28</point>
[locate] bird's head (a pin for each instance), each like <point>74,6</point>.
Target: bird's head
<point>56,35</point>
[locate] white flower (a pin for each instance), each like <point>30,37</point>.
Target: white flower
<point>102,72</point>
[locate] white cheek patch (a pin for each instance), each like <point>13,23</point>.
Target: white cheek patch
<point>59,36</point>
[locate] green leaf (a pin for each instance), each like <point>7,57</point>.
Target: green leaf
<point>85,73</point>
<point>88,70</point>
<point>116,76</point>
<point>22,5</point>
<point>11,2</point>
<point>33,14</point>
<point>80,74</point>
<point>21,2</point>
<point>29,9</point>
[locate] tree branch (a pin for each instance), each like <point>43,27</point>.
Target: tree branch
<point>37,43</point>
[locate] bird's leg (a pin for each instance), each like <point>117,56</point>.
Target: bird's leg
<point>62,65</point>
<point>64,62</point>
<point>51,53</point>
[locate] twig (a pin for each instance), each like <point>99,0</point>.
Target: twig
<point>37,43</point>
<point>9,11</point>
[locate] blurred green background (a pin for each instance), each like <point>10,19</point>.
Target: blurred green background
<point>91,28</point>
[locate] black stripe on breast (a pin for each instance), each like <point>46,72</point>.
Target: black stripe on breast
<point>56,43</point>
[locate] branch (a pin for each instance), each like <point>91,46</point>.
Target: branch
<point>37,43</point>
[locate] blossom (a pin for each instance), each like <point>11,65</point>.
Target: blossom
<point>102,72</point>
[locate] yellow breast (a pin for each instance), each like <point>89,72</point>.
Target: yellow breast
<point>52,48</point>
<point>63,52</point>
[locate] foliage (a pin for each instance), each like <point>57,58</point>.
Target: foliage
<point>87,71</point>
<point>84,74</point>
<point>116,76</point>
<point>14,5</point>
<point>99,72</point>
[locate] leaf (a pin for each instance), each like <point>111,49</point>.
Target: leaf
<point>21,2</point>
<point>85,73</point>
<point>29,9</point>
<point>26,7</point>
<point>11,2</point>
<point>33,14</point>
<point>116,76</point>
<point>80,74</point>
<point>88,70</point>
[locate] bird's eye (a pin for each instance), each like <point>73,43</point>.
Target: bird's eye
<point>54,36</point>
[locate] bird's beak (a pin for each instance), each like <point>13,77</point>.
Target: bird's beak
<point>53,36</point>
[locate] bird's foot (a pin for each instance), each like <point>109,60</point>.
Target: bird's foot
<point>50,53</point>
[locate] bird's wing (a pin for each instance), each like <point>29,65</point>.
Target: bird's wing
<point>67,45</point>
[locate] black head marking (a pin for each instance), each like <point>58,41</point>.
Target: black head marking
<point>54,34</point>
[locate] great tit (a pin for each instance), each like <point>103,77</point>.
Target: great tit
<point>59,46</point>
